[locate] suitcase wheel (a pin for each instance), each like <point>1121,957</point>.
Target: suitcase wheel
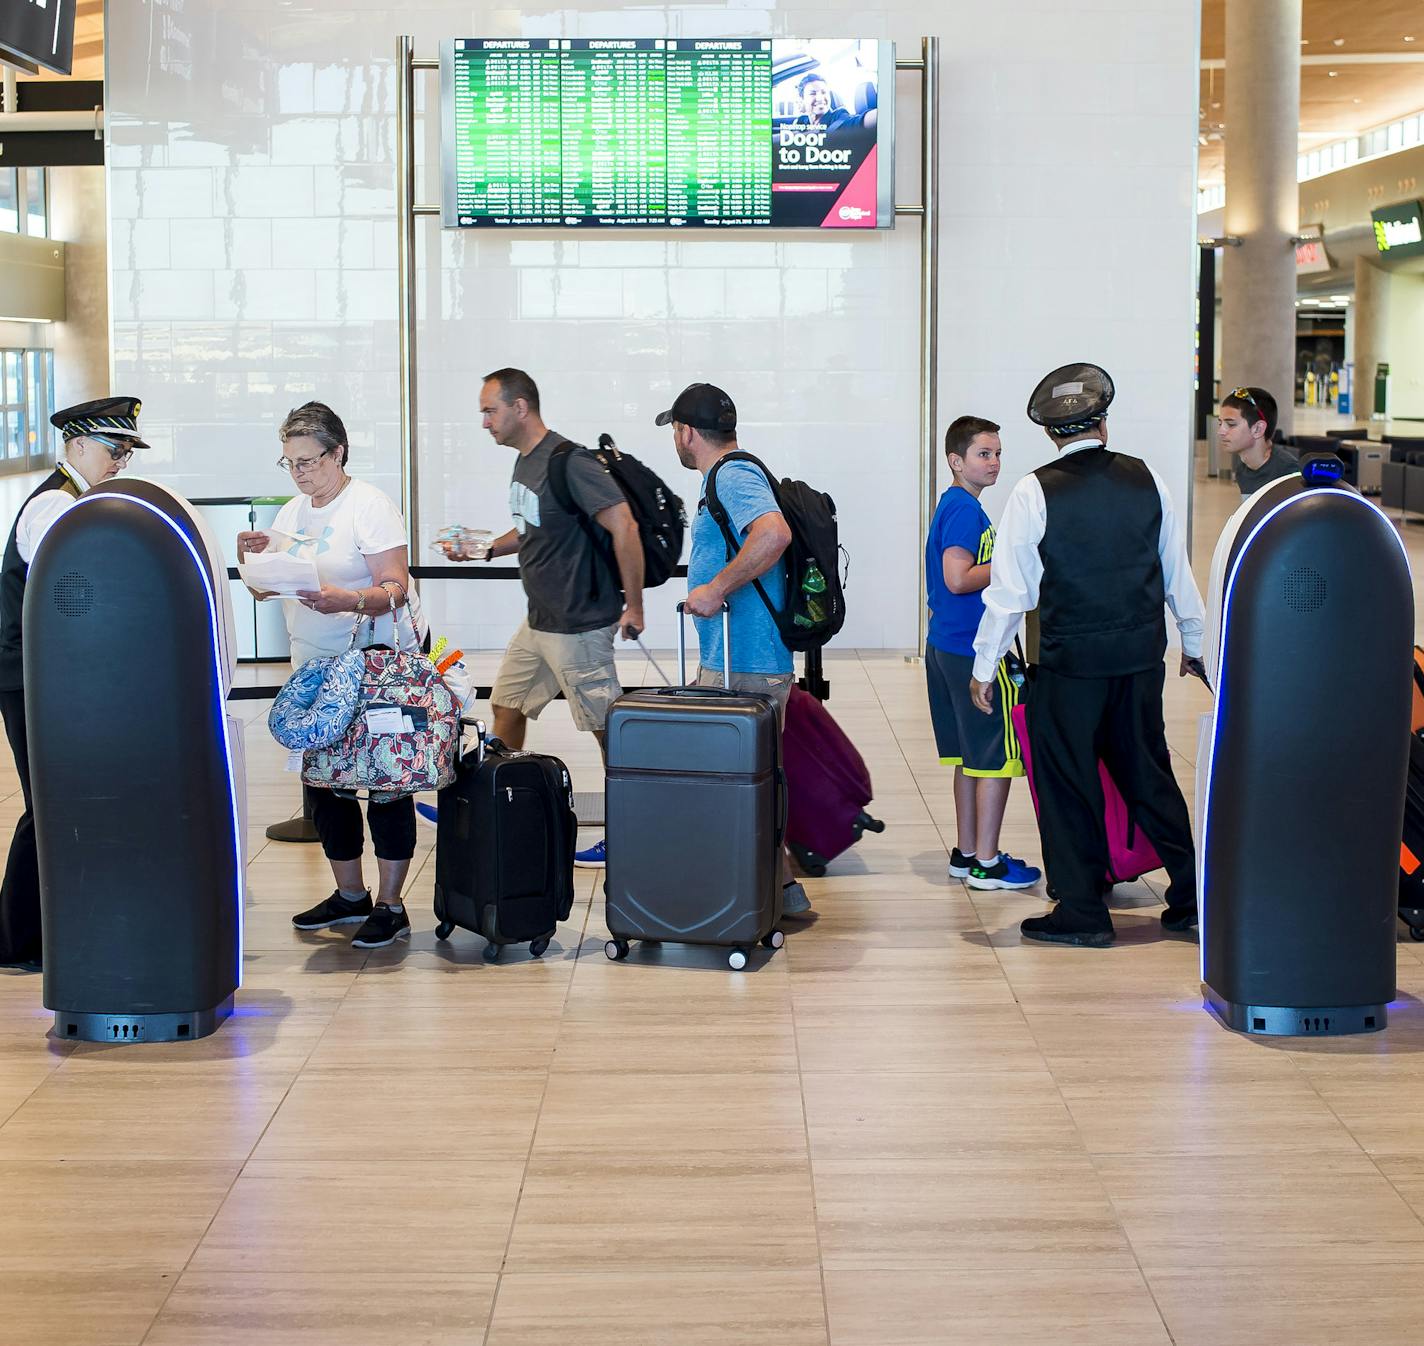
<point>737,959</point>
<point>865,823</point>
<point>774,940</point>
<point>537,948</point>
<point>808,861</point>
<point>492,952</point>
<point>616,949</point>
<point>445,929</point>
<point>1416,933</point>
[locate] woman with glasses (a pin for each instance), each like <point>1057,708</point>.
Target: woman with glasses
<point>99,439</point>
<point>356,536</point>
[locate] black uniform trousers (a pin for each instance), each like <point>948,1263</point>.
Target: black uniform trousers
<point>1072,723</point>
<point>20,894</point>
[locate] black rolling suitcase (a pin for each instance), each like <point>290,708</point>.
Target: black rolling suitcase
<point>504,849</point>
<point>696,812</point>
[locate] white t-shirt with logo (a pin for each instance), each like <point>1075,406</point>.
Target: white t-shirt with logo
<point>362,521</point>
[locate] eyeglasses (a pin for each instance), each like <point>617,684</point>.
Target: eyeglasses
<point>296,466</point>
<point>115,448</point>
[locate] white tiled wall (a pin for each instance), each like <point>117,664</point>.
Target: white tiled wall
<point>251,198</point>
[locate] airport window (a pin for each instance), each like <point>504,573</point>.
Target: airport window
<point>24,201</point>
<point>1398,135</point>
<point>27,440</point>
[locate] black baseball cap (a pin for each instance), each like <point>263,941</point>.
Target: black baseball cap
<point>704,406</point>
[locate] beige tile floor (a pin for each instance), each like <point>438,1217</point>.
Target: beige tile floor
<point>907,1127</point>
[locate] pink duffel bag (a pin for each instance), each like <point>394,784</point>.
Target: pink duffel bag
<point>1130,854</point>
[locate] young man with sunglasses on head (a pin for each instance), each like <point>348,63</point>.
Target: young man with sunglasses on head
<point>99,439</point>
<point>1244,427</point>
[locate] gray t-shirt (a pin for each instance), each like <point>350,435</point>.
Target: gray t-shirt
<point>568,585</point>
<point>1281,463</point>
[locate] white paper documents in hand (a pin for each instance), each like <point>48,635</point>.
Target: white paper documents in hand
<point>279,573</point>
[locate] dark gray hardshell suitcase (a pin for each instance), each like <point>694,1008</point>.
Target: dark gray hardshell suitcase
<point>695,816</point>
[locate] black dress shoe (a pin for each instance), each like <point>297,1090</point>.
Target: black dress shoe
<point>1049,930</point>
<point>1180,916</point>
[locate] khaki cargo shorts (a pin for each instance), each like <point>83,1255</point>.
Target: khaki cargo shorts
<point>538,665</point>
<point>775,685</point>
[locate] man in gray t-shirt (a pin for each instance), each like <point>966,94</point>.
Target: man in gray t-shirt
<point>1280,462</point>
<point>565,577</point>
<point>576,600</point>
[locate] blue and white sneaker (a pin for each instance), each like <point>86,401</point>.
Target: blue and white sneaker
<point>595,857</point>
<point>1006,873</point>
<point>429,814</point>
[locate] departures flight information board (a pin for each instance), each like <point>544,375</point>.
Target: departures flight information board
<point>653,132</point>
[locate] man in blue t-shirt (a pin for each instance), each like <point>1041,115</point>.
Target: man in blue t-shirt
<point>704,429</point>
<point>983,750</point>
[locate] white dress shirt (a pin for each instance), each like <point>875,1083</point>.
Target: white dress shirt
<point>37,517</point>
<point>1017,570</point>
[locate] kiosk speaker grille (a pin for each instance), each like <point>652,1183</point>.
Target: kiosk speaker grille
<point>74,594</point>
<point>1305,589</point>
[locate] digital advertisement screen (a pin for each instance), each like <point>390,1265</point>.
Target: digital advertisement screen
<point>676,132</point>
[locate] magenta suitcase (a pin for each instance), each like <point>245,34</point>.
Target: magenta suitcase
<point>1130,854</point>
<point>827,785</point>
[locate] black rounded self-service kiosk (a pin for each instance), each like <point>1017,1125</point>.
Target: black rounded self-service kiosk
<point>136,766</point>
<point>1301,766</point>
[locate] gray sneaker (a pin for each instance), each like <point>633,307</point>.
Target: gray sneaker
<point>794,900</point>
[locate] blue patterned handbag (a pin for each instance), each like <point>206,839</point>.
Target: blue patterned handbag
<point>317,703</point>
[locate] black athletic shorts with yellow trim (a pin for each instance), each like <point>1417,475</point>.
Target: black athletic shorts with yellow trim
<point>984,745</point>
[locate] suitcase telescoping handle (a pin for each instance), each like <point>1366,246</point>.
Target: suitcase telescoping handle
<point>726,645</point>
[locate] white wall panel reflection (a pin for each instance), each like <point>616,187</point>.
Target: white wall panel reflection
<point>251,169</point>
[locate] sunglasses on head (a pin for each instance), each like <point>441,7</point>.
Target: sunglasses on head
<point>1244,395</point>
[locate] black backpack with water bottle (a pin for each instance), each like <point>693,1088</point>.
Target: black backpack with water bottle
<point>815,582</point>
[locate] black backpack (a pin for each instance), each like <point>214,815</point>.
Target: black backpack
<point>661,519</point>
<point>815,586</point>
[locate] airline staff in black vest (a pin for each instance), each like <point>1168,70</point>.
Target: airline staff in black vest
<point>99,438</point>
<point>1093,543</point>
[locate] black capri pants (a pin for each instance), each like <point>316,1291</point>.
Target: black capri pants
<point>338,823</point>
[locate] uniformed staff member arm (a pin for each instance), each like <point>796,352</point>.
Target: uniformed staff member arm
<point>36,519</point>
<point>1014,576</point>
<point>622,527</point>
<point>766,538</point>
<point>1183,596</point>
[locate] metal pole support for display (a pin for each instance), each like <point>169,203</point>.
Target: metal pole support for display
<point>928,212</point>
<point>407,63</point>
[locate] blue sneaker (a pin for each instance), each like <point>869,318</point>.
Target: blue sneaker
<point>1006,873</point>
<point>429,814</point>
<point>595,857</point>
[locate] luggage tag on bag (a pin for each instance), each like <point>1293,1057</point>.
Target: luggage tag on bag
<point>294,760</point>
<point>384,720</point>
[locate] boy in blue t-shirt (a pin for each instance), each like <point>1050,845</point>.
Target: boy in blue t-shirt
<point>983,749</point>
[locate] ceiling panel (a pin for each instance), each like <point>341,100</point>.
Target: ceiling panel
<point>1332,106</point>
